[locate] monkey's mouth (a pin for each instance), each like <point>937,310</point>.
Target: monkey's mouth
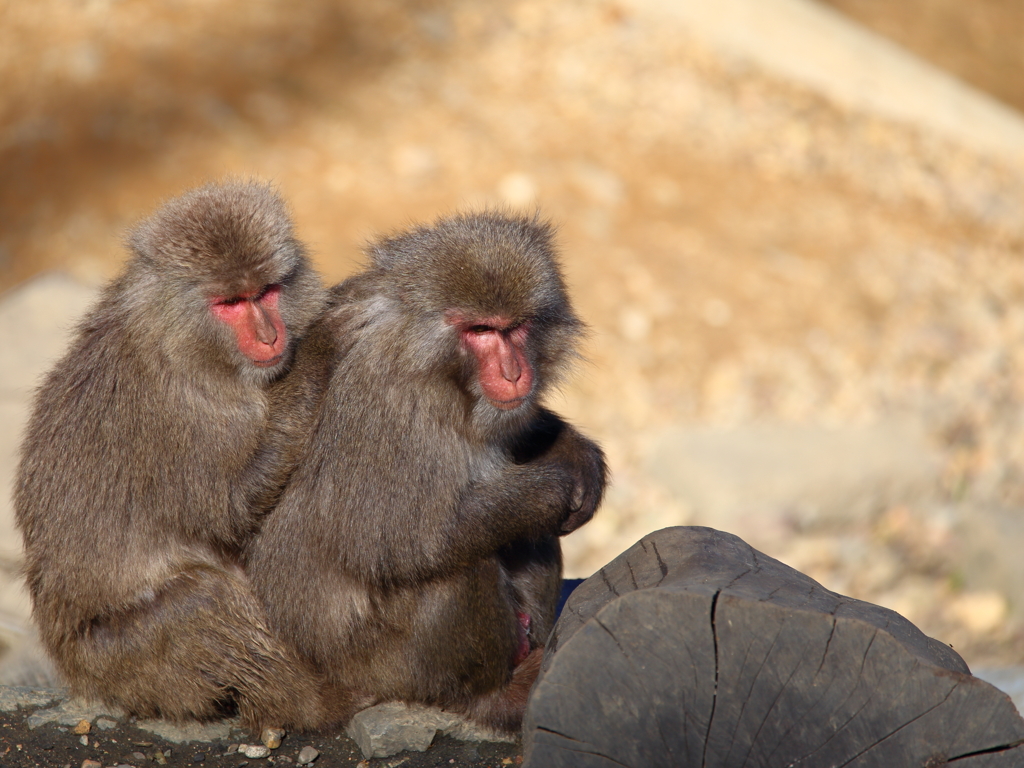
<point>268,363</point>
<point>508,405</point>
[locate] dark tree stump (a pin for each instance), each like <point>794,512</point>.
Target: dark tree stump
<point>693,649</point>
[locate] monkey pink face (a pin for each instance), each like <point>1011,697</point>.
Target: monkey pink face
<point>506,376</point>
<point>257,324</point>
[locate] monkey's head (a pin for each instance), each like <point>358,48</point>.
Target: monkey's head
<point>486,294</point>
<point>223,270</point>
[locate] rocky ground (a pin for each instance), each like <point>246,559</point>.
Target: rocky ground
<point>41,729</point>
<point>806,311</point>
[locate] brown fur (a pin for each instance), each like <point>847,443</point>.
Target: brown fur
<point>420,518</point>
<point>139,473</point>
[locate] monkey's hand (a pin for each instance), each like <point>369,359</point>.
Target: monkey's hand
<point>590,475</point>
<point>579,459</point>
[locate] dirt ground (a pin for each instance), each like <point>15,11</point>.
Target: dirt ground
<point>745,251</point>
<point>124,744</point>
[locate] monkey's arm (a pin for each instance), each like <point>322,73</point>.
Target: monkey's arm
<point>552,486</point>
<point>293,402</point>
<point>524,501</point>
<point>512,503</point>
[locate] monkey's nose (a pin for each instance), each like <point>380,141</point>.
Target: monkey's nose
<point>264,327</point>
<point>511,370</point>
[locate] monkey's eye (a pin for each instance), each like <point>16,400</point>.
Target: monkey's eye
<point>231,302</point>
<point>266,290</point>
<point>480,329</point>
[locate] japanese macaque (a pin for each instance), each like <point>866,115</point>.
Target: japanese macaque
<point>413,554</point>
<point>140,474</point>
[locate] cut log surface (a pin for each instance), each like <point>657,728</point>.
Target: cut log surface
<point>694,649</point>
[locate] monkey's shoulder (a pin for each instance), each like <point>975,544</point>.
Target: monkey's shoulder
<point>358,287</point>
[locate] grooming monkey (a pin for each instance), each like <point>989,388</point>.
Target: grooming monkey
<point>140,470</point>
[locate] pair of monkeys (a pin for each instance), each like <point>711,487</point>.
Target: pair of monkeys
<point>242,493</point>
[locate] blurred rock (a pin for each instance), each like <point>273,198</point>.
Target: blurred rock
<point>70,711</point>
<point>36,320</point>
<point>757,480</point>
<point>13,698</point>
<point>989,541</point>
<point>25,663</point>
<point>980,612</point>
<point>187,732</point>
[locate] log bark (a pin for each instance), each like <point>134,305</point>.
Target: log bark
<point>694,649</point>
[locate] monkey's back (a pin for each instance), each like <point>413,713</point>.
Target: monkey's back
<point>122,470</point>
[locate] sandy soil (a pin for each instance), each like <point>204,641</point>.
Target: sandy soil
<point>746,252</point>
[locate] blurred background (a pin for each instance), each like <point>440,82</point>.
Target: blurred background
<point>795,228</point>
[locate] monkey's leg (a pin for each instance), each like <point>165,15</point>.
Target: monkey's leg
<point>535,568</point>
<point>198,648</point>
<point>451,642</point>
<point>477,637</point>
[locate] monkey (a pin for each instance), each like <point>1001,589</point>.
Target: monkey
<point>139,470</point>
<point>413,553</point>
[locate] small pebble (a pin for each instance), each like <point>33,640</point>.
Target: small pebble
<point>83,740</point>
<point>272,737</point>
<point>159,758</point>
<point>105,723</point>
<point>254,750</point>
<point>84,726</point>
<point>139,756</point>
<point>91,764</point>
<point>307,755</point>
<point>198,757</point>
<point>232,748</point>
<point>281,759</point>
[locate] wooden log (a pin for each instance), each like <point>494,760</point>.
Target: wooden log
<point>694,649</point>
